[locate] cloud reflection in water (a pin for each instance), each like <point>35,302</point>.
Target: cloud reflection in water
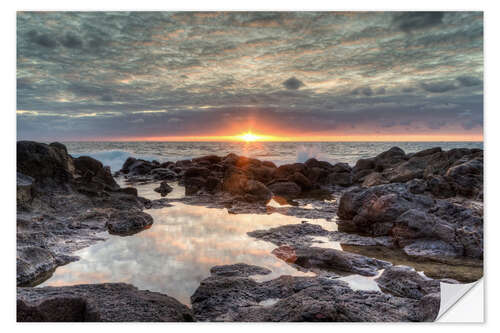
<point>177,252</point>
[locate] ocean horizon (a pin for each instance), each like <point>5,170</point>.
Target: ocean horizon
<point>114,153</point>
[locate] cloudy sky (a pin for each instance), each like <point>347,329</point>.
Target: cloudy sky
<point>291,75</point>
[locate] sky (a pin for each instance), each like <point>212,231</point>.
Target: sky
<point>299,76</point>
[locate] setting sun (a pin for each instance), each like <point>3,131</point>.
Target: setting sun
<point>249,137</point>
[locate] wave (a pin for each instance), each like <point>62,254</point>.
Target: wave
<point>115,158</point>
<point>306,152</point>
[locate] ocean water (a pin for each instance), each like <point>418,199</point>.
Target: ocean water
<point>114,154</point>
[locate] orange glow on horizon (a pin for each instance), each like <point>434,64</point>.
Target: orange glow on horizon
<point>249,137</point>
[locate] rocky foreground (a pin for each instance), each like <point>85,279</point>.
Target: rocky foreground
<point>426,207</point>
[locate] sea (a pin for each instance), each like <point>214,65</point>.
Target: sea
<point>113,154</point>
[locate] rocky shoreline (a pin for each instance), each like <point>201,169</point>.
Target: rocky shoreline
<point>425,206</point>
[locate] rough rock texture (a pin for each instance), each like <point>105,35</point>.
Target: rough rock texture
<point>62,204</point>
<point>109,302</point>
<point>164,188</point>
<point>287,298</point>
<point>128,223</point>
<point>337,260</point>
<point>413,219</point>
<point>404,281</point>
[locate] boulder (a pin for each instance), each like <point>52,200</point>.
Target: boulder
<point>164,188</point>
<point>285,189</point>
<point>47,164</point>
<point>289,298</point>
<point>393,210</point>
<point>24,186</point>
<point>108,302</point>
<point>337,260</point>
<point>340,178</point>
<point>91,170</point>
<point>404,281</point>
<point>125,223</point>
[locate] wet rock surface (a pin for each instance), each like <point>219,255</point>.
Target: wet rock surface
<point>423,225</point>
<point>287,298</point>
<point>109,302</point>
<point>64,204</point>
<point>422,209</point>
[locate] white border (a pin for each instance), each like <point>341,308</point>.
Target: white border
<point>8,125</point>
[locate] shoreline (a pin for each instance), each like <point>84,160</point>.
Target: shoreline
<point>396,183</point>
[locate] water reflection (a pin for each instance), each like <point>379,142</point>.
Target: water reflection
<point>177,252</point>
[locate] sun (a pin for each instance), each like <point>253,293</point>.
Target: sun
<point>249,137</point>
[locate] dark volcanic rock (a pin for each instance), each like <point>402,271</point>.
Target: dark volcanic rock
<point>286,189</point>
<point>164,188</point>
<point>128,223</point>
<point>62,203</point>
<point>393,210</point>
<point>404,281</point>
<point>110,302</point>
<point>287,298</point>
<point>239,269</point>
<point>47,164</point>
<point>24,190</point>
<point>337,260</point>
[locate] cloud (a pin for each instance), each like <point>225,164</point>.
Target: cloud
<point>71,41</point>
<point>293,83</point>
<point>213,71</point>
<point>469,81</point>
<point>417,20</point>
<point>42,39</point>
<point>367,91</point>
<point>439,87</point>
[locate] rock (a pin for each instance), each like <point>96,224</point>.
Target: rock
<point>193,185</point>
<point>128,223</point>
<point>340,178</point>
<point>240,269</point>
<point>255,191</point>
<point>93,171</point>
<point>285,253</point>
<point>133,166</point>
<point>365,164</point>
<point>269,164</point>
<point>301,180</point>
<point>63,204</point>
<point>47,164</point>
<point>24,186</point>
<point>439,187</point>
<point>285,189</point>
<point>164,188</point>
<point>431,249</point>
<point>196,172</point>
<point>33,263</point>
<point>287,298</point>
<point>109,302</point>
<point>404,281</point>
<point>389,158</point>
<point>337,260</point>
<point>429,306</point>
<point>163,174</point>
<point>417,186</point>
<point>373,179</point>
<point>467,177</point>
<point>393,210</point>
<point>292,234</point>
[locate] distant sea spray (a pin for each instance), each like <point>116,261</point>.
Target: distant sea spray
<point>115,158</point>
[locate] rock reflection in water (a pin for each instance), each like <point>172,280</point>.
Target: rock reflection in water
<point>177,252</point>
